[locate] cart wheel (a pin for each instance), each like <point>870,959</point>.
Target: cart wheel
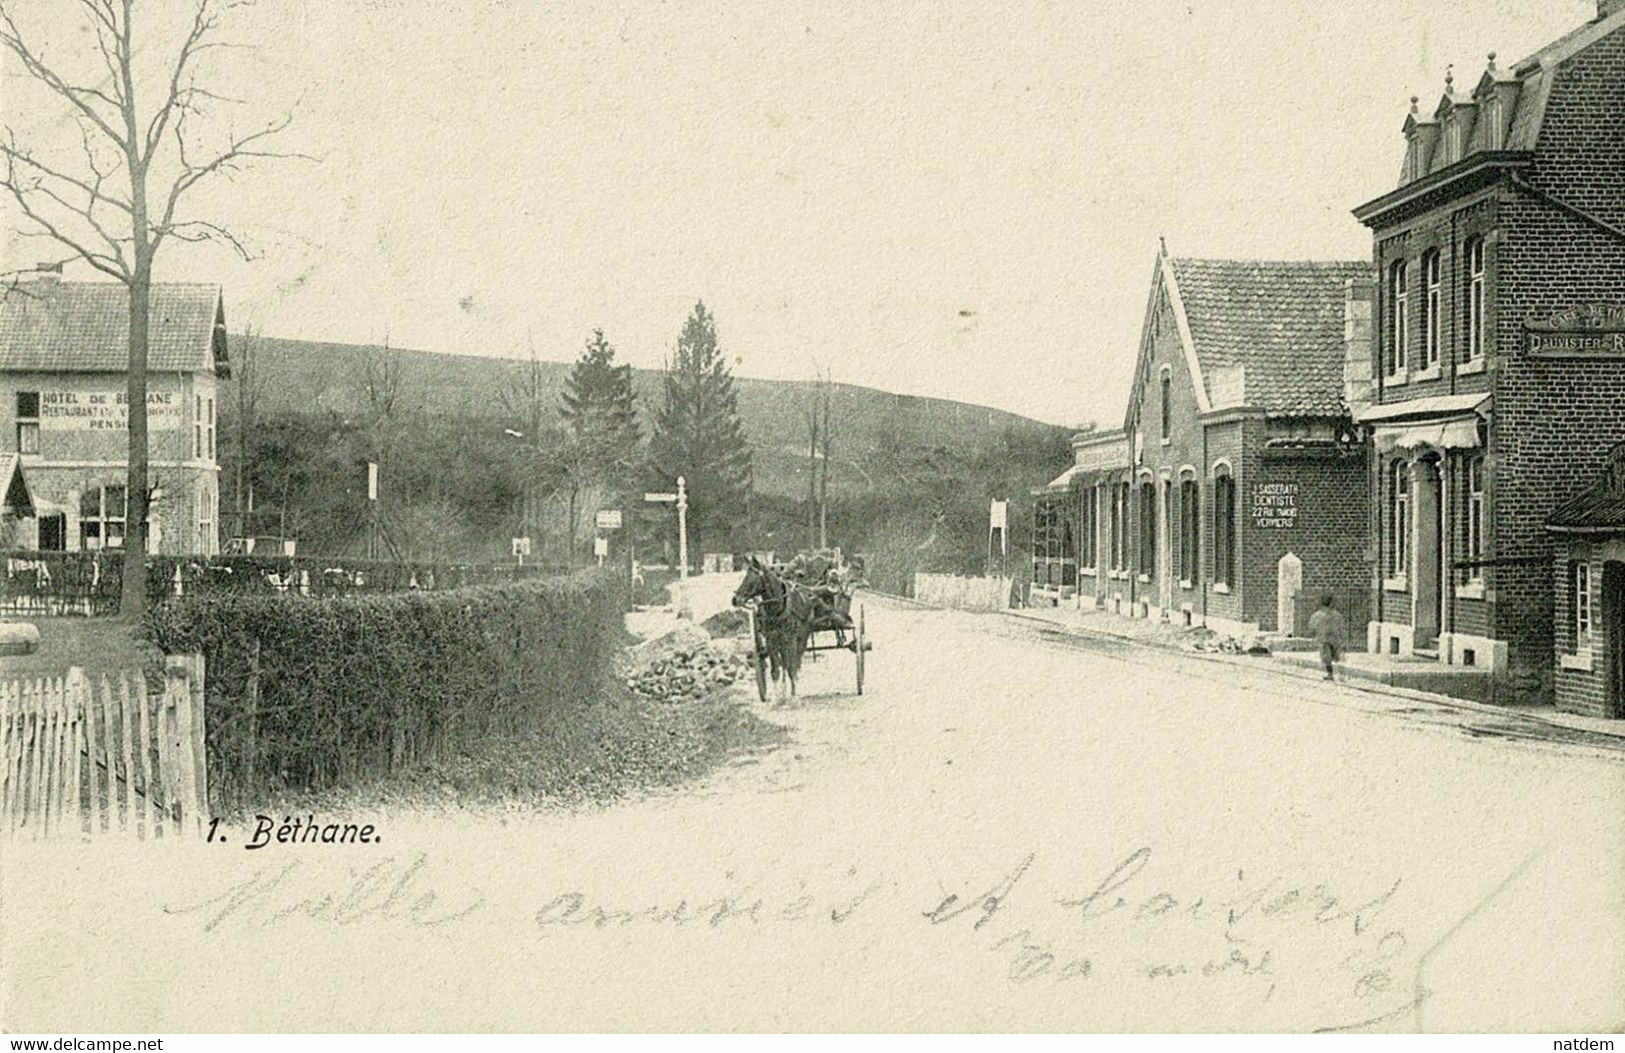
<point>756,658</point>
<point>859,648</point>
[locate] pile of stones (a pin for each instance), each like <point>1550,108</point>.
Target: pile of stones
<point>682,665</point>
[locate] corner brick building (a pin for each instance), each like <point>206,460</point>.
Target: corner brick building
<point>1237,449</point>
<point>1498,360</point>
<point>64,351</point>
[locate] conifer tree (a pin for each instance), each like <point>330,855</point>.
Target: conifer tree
<point>598,406</point>
<point>698,435</point>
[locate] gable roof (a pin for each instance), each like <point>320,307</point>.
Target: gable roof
<point>1280,323</point>
<point>14,496</point>
<point>84,327</point>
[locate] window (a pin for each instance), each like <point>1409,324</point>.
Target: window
<point>1148,528</point>
<point>1398,314</point>
<point>1430,310</point>
<point>28,422</point>
<point>1167,405</point>
<point>1475,518</point>
<point>1088,525</point>
<point>1399,497</point>
<point>1475,299</point>
<point>1224,528</point>
<point>205,522</point>
<point>1190,530</point>
<point>1492,122</point>
<point>213,427</point>
<point>101,518</point>
<point>1582,604</point>
<point>1121,511</point>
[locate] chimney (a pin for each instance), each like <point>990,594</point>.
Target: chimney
<point>47,273</point>
<point>1359,306</point>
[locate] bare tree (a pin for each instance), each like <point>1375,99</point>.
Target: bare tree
<point>528,400</point>
<point>820,447</point>
<point>119,202</point>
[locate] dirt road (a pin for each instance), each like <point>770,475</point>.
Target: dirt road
<point>1004,832</point>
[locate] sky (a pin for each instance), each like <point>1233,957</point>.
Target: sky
<point>948,199</point>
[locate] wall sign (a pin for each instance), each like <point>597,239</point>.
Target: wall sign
<point>1274,506</point>
<point>1592,331</point>
<point>105,411</point>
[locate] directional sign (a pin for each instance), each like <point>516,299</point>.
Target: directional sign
<point>661,498</point>
<point>609,519</point>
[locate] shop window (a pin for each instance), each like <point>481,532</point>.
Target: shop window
<point>1148,528</point>
<point>1224,529</point>
<point>101,518</point>
<point>1430,309</point>
<point>1475,299</point>
<point>28,422</point>
<point>1399,501</point>
<point>1190,530</point>
<point>1475,518</point>
<point>1581,579</point>
<point>1398,317</point>
<point>1088,528</point>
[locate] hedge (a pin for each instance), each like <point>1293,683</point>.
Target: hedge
<point>313,693</point>
<point>90,581</point>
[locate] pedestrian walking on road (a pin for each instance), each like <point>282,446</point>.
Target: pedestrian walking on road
<point>1328,627</point>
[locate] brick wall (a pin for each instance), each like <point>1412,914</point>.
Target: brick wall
<point>1555,419</point>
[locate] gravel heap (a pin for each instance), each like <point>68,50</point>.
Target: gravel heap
<point>683,664</point>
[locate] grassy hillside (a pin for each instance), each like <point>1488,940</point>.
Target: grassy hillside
<point>911,476</point>
<point>301,376</point>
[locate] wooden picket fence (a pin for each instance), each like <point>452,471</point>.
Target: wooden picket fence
<point>87,757</point>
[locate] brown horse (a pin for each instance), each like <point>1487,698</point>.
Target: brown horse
<point>784,615</point>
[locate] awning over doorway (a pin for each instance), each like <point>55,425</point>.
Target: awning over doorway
<point>1458,434</point>
<point>1062,481</point>
<point>1442,422</point>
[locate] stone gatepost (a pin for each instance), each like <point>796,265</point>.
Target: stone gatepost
<point>1288,583</point>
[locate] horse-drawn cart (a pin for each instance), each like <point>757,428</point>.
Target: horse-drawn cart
<point>830,626</point>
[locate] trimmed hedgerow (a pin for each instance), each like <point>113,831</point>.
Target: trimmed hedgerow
<point>307,694</point>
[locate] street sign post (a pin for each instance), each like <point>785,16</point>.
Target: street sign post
<point>680,499</point>
<point>609,519</point>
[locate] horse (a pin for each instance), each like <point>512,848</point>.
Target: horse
<point>785,615</point>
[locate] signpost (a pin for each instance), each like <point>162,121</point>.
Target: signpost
<point>609,519</point>
<point>680,499</point>
<point>521,549</point>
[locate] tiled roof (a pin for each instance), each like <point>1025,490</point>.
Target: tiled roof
<point>1280,322</point>
<point>84,327</point>
<point>1601,509</point>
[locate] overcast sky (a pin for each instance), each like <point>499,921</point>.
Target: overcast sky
<point>946,199</point>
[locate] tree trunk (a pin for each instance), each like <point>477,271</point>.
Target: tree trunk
<point>133,596</point>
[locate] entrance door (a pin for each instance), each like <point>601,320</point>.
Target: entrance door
<point>1613,622</point>
<point>53,533</point>
<point>1427,570</point>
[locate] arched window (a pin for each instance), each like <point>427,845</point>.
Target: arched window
<point>1399,317</point>
<point>1399,500</point>
<point>1430,309</point>
<point>1475,299</point>
<point>1224,527</point>
<point>1148,527</point>
<point>101,517</point>
<point>1190,530</point>
<point>1475,518</point>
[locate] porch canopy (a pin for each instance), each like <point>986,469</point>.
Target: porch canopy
<point>1442,422</point>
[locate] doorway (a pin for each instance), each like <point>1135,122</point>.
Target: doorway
<point>53,532</point>
<point>1613,627</point>
<point>1427,570</point>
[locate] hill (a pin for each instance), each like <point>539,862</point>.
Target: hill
<point>911,476</point>
<point>299,376</point>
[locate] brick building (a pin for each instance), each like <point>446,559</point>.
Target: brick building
<point>1237,449</point>
<point>63,355</point>
<point>1068,560</point>
<point>1498,358</point>
<point>1589,584</point>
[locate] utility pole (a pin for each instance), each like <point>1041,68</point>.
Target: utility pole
<point>682,549</point>
<point>823,471</point>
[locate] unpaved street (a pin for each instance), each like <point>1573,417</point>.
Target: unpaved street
<point>1006,831</point>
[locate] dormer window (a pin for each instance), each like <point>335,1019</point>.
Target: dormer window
<point>1430,309</point>
<point>1399,318</point>
<point>1494,127</point>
